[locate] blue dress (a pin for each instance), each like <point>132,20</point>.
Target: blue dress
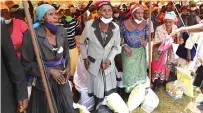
<point>134,66</point>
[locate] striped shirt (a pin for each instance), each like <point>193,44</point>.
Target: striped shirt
<point>71,28</point>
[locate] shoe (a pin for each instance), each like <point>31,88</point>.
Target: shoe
<point>200,107</point>
<point>201,103</point>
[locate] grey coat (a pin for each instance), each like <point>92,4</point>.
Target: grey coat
<point>28,56</point>
<point>100,83</point>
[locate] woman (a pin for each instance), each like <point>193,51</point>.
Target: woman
<point>53,47</point>
<point>100,43</point>
<point>134,32</point>
<point>15,27</point>
<point>162,59</point>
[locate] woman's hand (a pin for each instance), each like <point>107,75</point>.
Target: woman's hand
<point>106,64</point>
<point>23,104</point>
<point>58,76</point>
<point>87,63</point>
<point>128,51</point>
<point>66,74</point>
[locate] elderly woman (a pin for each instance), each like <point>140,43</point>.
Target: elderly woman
<point>54,52</point>
<point>100,43</point>
<point>134,32</point>
<point>162,59</point>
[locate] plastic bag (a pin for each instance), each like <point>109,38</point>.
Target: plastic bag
<point>151,101</point>
<point>136,97</point>
<point>81,108</point>
<point>167,43</point>
<point>86,101</point>
<point>116,103</point>
<point>80,77</point>
<point>174,89</point>
<point>186,80</point>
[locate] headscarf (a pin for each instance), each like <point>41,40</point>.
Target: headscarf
<point>40,12</point>
<point>170,15</point>
<point>99,4</point>
<point>133,9</point>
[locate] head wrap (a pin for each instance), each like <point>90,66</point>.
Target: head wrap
<point>170,15</point>
<point>42,9</point>
<point>99,4</point>
<point>40,12</point>
<point>135,7</point>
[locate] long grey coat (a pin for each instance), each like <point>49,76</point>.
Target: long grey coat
<point>100,83</point>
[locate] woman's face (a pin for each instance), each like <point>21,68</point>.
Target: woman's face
<point>168,23</point>
<point>5,13</point>
<point>138,14</point>
<point>51,17</point>
<point>106,11</point>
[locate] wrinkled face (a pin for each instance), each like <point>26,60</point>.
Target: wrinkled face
<point>138,14</point>
<point>5,13</point>
<point>51,17</point>
<point>168,23</point>
<point>146,14</point>
<point>106,11</point>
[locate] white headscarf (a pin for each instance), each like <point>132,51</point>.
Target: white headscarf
<point>170,15</point>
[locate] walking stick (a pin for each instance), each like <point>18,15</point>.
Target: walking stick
<point>149,47</point>
<point>45,81</point>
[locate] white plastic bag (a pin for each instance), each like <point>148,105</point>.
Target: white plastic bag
<point>116,103</point>
<point>136,97</point>
<point>80,77</point>
<point>86,101</point>
<point>81,108</point>
<point>151,101</point>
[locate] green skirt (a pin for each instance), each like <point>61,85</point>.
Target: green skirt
<point>134,68</point>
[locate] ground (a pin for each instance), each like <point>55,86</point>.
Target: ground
<point>169,105</point>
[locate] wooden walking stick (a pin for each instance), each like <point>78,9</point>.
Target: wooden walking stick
<point>45,81</point>
<point>149,45</point>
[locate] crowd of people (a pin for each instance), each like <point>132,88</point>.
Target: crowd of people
<point>110,39</point>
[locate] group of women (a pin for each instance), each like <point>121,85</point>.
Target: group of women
<point>101,40</point>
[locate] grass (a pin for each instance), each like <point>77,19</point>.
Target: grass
<point>169,105</point>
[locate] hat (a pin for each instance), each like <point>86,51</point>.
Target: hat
<point>99,4</point>
<point>154,9</point>
<point>11,4</point>
<point>146,8</point>
<point>3,6</point>
<point>170,15</point>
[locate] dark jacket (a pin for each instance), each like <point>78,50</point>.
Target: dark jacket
<point>13,82</point>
